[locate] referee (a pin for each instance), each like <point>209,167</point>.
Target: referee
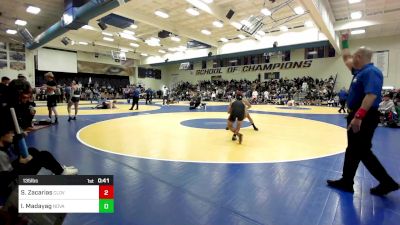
<point>363,100</point>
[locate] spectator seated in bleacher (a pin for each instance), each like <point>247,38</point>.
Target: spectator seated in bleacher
<point>388,111</point>
<point>278,91</point>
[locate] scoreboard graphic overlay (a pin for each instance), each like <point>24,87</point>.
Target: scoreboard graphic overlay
<point>66,194</point>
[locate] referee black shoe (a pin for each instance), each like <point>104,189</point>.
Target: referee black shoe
<point>384,189</point>
<point>341,185</point>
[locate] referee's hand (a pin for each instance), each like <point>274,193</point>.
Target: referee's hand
<point>355,125</point>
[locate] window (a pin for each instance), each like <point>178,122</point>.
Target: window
<point>286,56</point>
<point>233,62</point>
<point>310,53</point>
<point>204,64</point>
<point>246,60</point>
<point>215,63</point>
<point>319,52</point>
<point>331,51</point>
<point>253,59</point>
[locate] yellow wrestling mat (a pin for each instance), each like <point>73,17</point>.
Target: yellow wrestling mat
<point>163,137</point>
<point>87,110</point>
<point>296,109</point>
<point>186,103</point>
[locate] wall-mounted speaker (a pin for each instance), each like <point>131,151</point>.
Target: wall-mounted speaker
<point>65,41</point>
<point>102,25</point>
<point>230,14</point>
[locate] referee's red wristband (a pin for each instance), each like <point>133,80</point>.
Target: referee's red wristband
<point>360,114</point>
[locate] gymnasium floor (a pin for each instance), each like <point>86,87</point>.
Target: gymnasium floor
<point>173,166</point>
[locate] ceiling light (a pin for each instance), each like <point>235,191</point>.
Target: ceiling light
<point>360,31</point>
<point>175,38</point>
<point>87,27</point>
<point>308,23</point>
<point>356,15</point>
<point>124,50</point>
<point>181,48</point>
<point>83,43</point>
<point>143,54</point>
<point>67,18</point>
<point>218,24</point>
<point>161,13</point>
<point>236,25</point>
<point>193,11</point>
<point>20,22</point>
<point>172,49</point>
<point>200,5</point>
<point>299,10</point>
<point>10,31</point>
<point>206,32</point>
<point>162,51</point>
<point>224,40</point>
<point>33,10</point>
<point>261,33</point>
<point>134,45</point>
<point>284,28</point>
<point>107,34</point>
<point>73,42</point>
<point>266,12</point>
<point>153,41</point>
<point>354,1</point>
<point>246,23</point>
<point>108,39</point>
<point>257,36</point>
<point>208,1</point>
<point>128,32</point>
<point>133,26</point>
<point>128,36</point>
<point>241,36</point>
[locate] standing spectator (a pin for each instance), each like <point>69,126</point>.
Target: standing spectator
<point>165,95</point>
<point>74,100</point>
<point>342,99</point>
<point>266,96</point>
<point>67,93</point>
<point>3,88</point>
<point>149,96</point>
<point>51,87</point>
<point>254,96</point>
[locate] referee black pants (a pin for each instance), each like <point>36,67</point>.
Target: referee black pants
<point>359,150</point>
<point>135,101</point>
<point>342,105</point>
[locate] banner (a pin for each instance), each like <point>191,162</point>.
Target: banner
<point>101,68</point>
<point>257,67</point>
